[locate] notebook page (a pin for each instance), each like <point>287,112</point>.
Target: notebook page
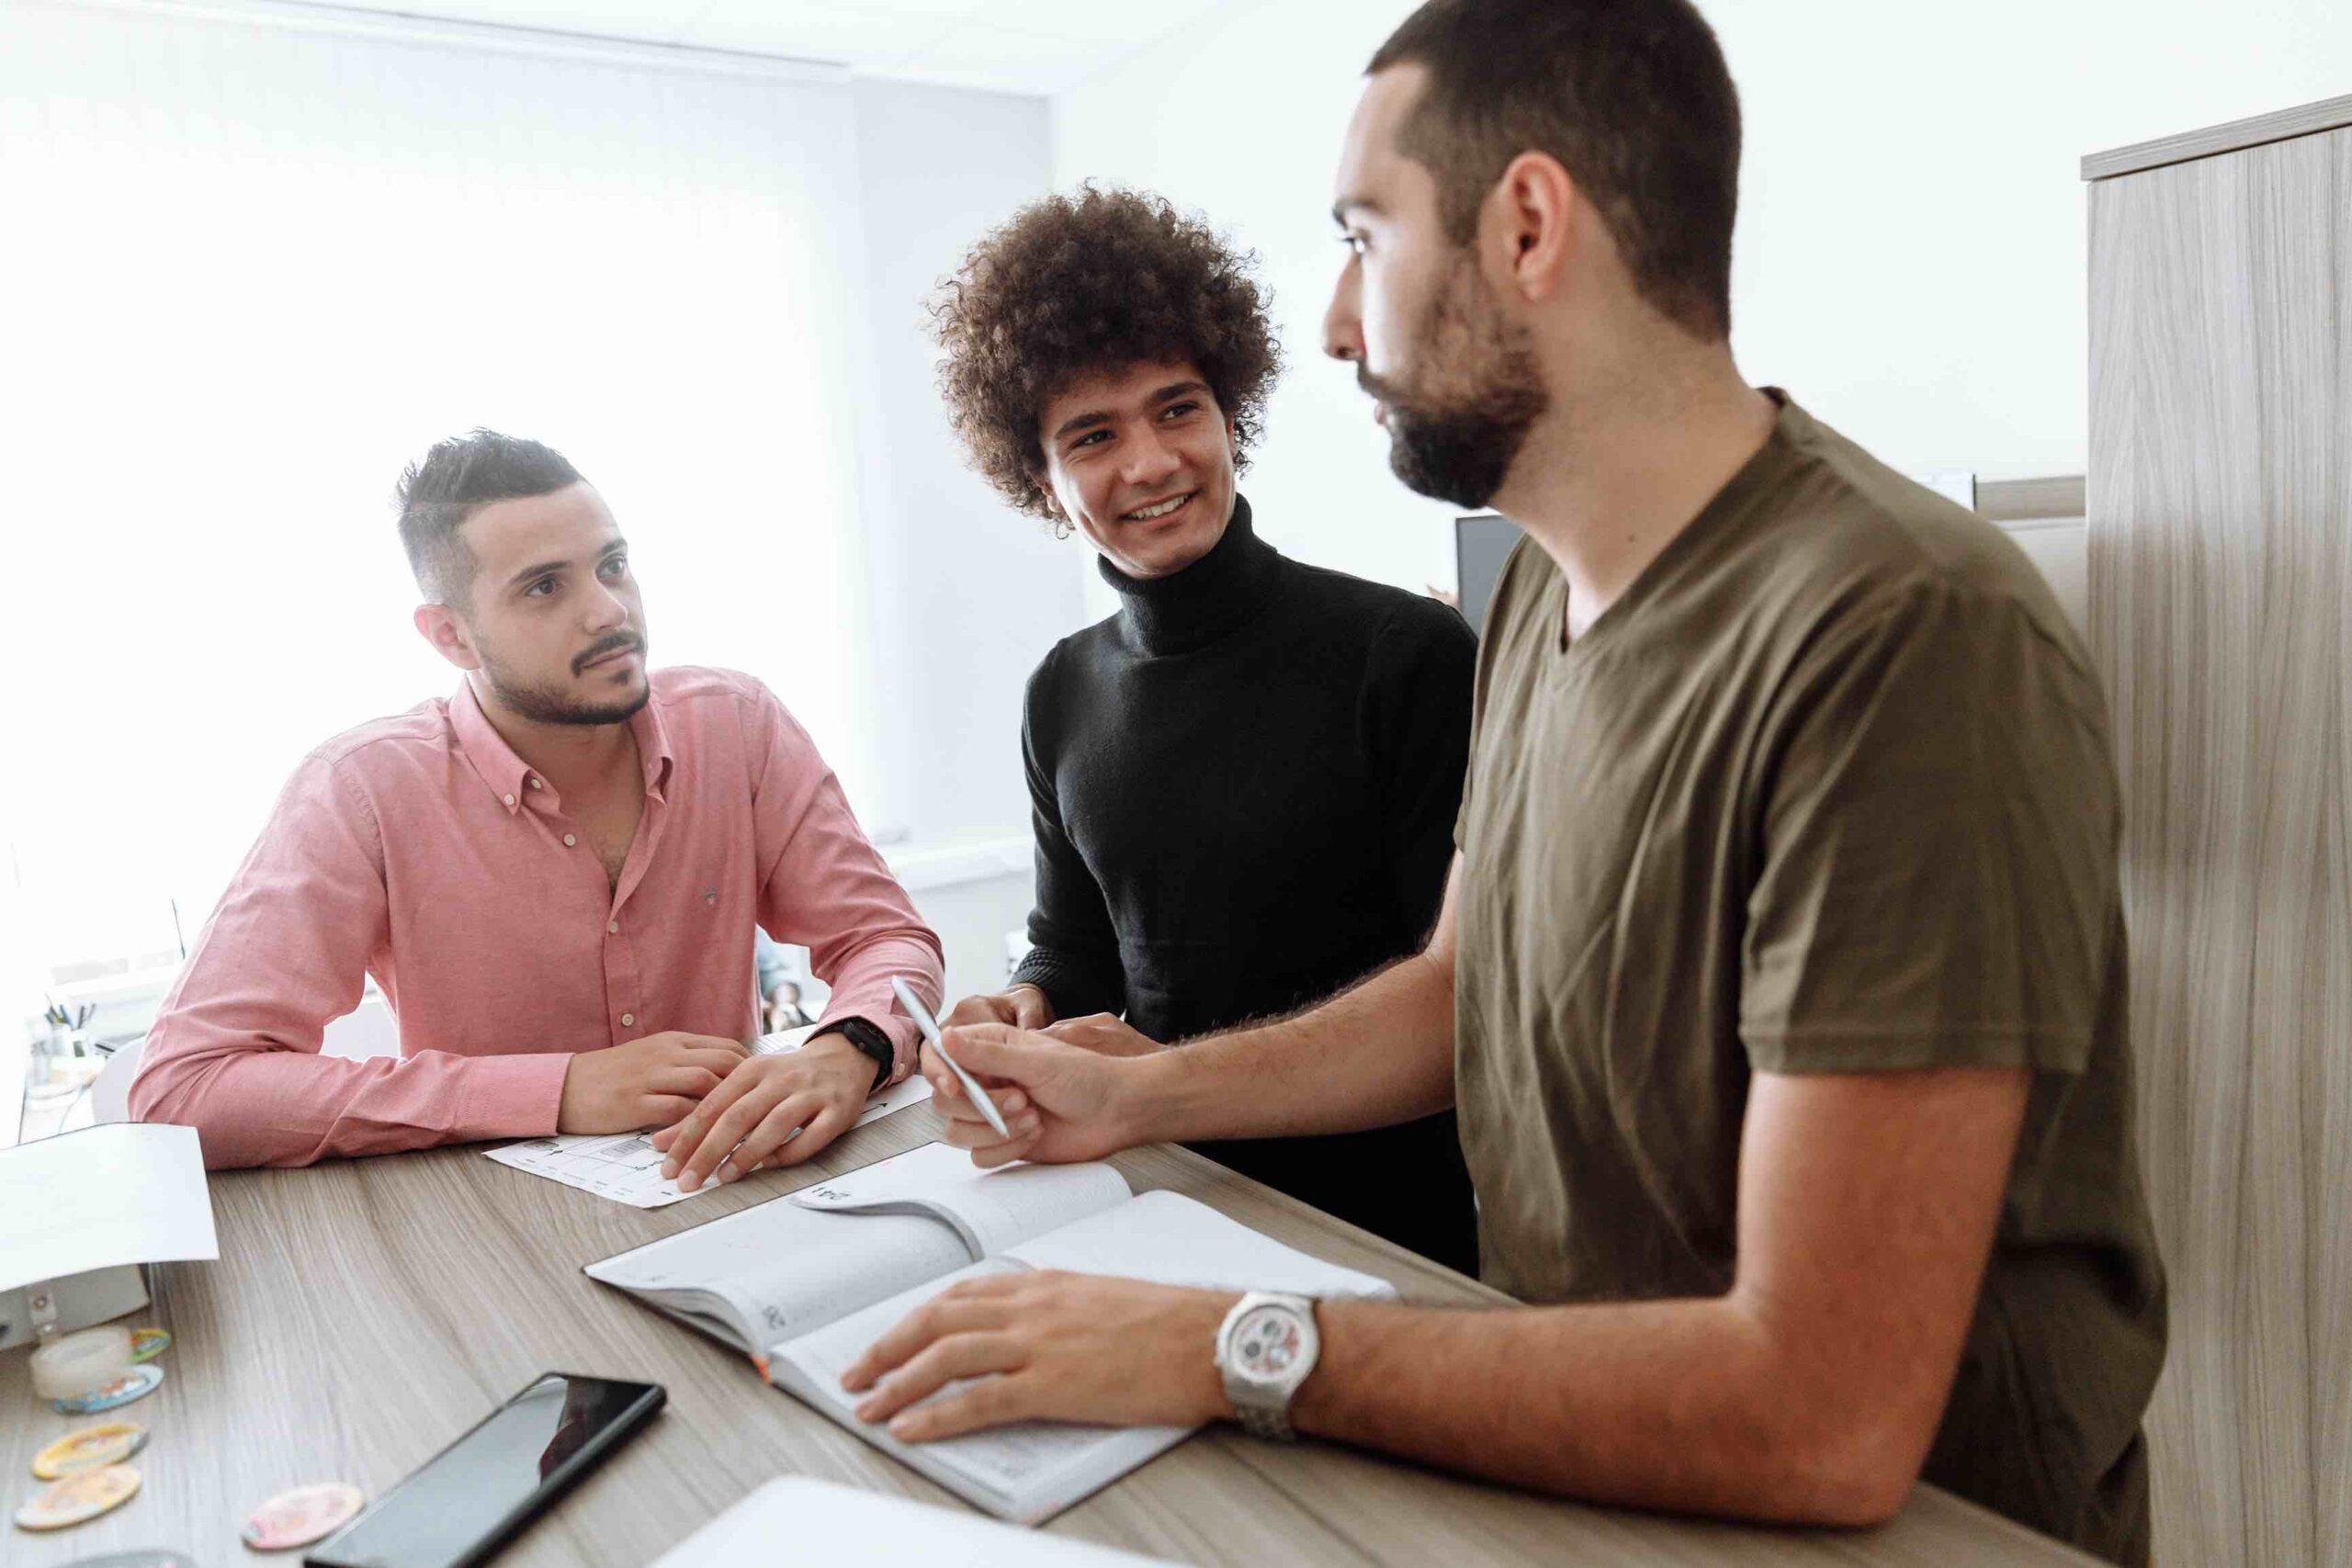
<point>1172,1240</point>
<point>796,1267</point>
<point>995,1209</point>
<point>1017,1463</point>
<point>828,1523</point>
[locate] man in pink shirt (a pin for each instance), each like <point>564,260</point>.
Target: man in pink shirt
<point>552,875</point>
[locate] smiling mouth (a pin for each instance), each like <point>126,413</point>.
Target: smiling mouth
<point>1158,509</point>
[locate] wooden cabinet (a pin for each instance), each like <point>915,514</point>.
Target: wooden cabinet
<point>2220,517</point>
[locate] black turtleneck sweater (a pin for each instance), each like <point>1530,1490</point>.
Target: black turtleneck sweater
<point>1245,786</point>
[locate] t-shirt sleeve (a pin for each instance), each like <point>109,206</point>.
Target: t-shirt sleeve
<point>1938,849</point>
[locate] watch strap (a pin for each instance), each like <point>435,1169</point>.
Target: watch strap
<point>870,1040</point>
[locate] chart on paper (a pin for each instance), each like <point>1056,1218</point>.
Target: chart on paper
<point>626,1167</point>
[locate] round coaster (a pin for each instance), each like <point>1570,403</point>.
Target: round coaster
<point>146,1344</point>
<point>136,1384</point>
<point>78,1497</point>
<point>302,1515</point>
<point>110,1442</point>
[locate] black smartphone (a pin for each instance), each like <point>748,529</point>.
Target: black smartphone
<point>463,1503</point>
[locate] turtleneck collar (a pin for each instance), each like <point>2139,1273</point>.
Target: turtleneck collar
<point>1192,608</point>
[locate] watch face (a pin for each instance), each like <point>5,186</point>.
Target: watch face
<point>1267,1344</point>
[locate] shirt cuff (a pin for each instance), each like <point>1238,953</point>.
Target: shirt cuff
<point>513,1096</point>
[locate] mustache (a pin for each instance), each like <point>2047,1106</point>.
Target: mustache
<point>1376,386</point>
<point>605,645</point>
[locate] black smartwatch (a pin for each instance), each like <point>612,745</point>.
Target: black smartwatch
<point>871,1041</point>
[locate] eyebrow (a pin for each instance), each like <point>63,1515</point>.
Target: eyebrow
<point>1167,394</point>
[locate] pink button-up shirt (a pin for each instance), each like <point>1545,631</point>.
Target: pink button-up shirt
<point>421,849</point>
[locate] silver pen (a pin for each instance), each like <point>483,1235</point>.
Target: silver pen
<point>929,1026</point>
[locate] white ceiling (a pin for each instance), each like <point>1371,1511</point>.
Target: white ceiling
<point>1009,46</point>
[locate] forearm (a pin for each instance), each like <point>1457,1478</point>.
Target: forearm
<point>859,971</point>
<point>1378,1053</point>
<point>255,1104</point>
<point>1690,1406</point>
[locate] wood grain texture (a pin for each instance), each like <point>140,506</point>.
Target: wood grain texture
<point>2221,498</point>
<point>2025,501</point>
<point>363,1312</point>
<point>2213,141</point>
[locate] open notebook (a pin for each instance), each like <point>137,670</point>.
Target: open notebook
<point>805,1283</point>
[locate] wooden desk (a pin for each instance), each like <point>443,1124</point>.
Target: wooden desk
<point>363,1312</point>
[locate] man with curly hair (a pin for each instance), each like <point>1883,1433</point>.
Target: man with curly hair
<point>1781,982</point>
<point>1244,782</point>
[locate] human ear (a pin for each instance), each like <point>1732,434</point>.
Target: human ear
<point>440,625</point>
<point>1526,228</point>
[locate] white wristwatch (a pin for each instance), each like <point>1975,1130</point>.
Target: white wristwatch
<point>1265,1349</point>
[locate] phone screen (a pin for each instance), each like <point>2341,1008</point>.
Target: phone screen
<point>472,1494</point>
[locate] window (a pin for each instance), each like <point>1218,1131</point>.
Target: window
<point>253,267</point>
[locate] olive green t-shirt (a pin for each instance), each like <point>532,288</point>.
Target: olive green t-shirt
<point>1828,790</point>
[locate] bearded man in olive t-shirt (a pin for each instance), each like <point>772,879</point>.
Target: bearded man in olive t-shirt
<point>1780,985</point>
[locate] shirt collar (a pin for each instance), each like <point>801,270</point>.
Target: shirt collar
<point>510,778</point>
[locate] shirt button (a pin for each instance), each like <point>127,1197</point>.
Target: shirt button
<point>533,782</point>
<point>510,800</point>
<point>628,1019</point>
<point>568,840</point>
<point>614,927</point>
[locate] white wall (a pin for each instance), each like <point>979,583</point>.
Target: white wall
<point>970,595</point>
<point>1910,257</point>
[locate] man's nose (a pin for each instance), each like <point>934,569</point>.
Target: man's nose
<point>1343,319</point>
<point>1150,460</point>
<point>606,610</point>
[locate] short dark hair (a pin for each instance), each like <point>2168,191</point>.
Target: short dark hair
<point>456,478</point>
<point>1632,96</point>
<point>1077,283</point>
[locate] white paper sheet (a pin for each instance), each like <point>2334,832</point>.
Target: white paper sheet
<point>626,1167</point>
<point>821,1522</point>
<point>120,1193</point>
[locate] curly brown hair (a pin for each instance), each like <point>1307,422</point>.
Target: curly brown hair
<point>1080,284</point>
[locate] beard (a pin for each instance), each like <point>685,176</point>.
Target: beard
<point>1457,435</point>
<point>544,702</point>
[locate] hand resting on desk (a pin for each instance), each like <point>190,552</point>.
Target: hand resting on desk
<point>649,1082</point>
<point>804,1098</point>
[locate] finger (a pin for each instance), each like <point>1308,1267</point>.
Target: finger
<point>999,1051</point>
<point>664,1110</point>
<point>974,1010</point>
<point>944,1361</point>
<point>1005,1154</point>
<point>692,1082</point>
<point>1031,1010</point>
<point>954,1311</point>
<point>992,1402</point>
<point>769,1135</point>
<point>829,1122</point>
<point>943,1083</point>
<point>734,1048</point>
<point>697,1147</point>
<point>971,1133</point>
<point>714,1061</point>
<point>736,1123</point>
